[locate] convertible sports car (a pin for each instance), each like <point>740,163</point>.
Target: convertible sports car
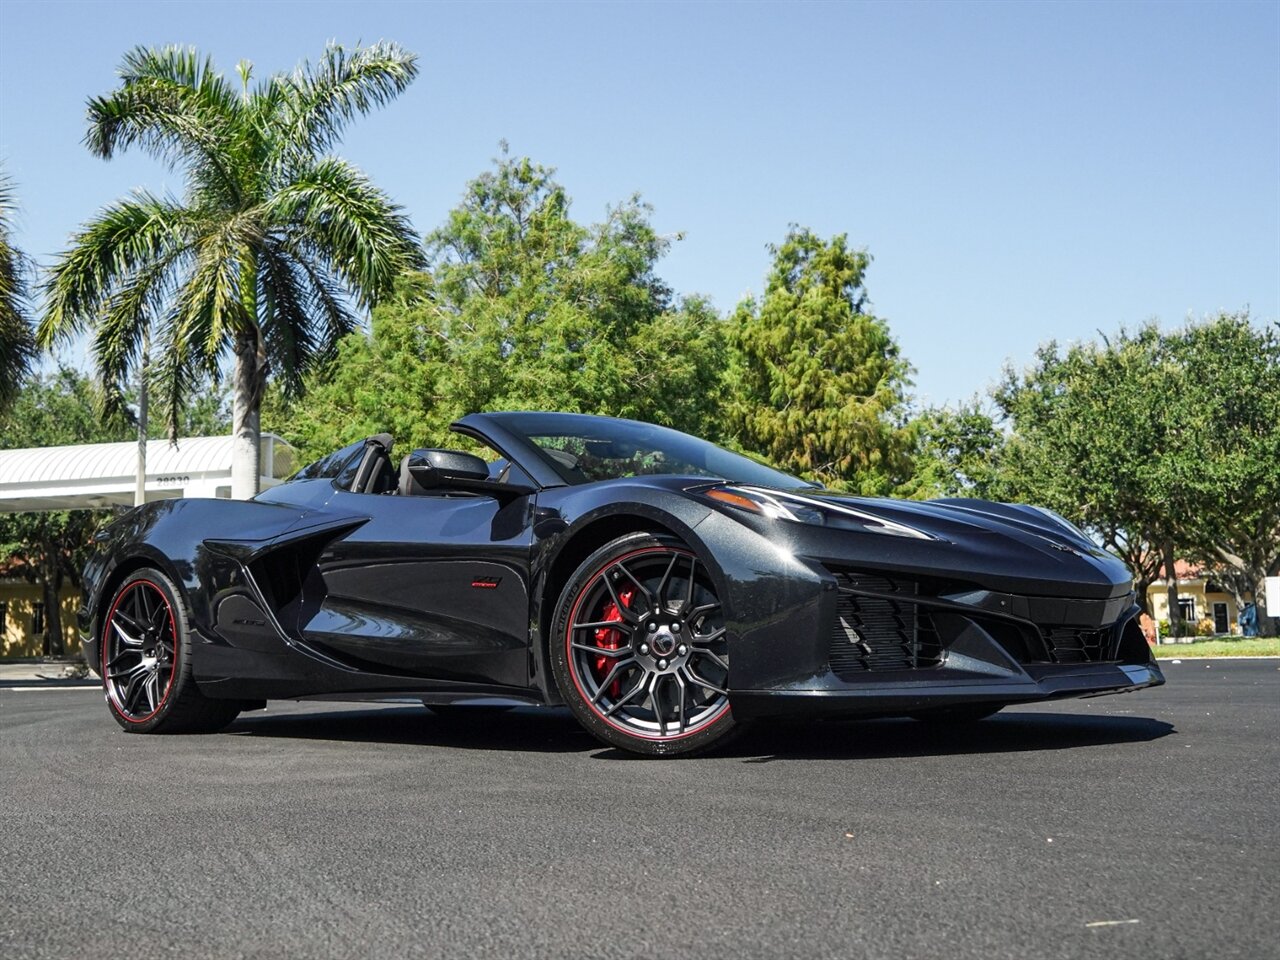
<point>663,588</point>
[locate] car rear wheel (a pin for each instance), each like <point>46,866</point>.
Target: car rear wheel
<point>639,648</point>
<point>146,662</point>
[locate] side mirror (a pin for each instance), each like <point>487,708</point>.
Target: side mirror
<point>446,468</point>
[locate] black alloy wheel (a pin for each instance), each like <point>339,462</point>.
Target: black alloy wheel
<point>640,651</point>
<point>146,662</point>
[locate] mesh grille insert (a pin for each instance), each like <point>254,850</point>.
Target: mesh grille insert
<point>872,634</point>
<point>1077,644</point>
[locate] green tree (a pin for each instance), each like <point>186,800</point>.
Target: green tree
<point>385,381</point>
<point>1104,434</point>
<point>1228,407</point>
<point>1162,444</point>
<point>50,548</point>
<point>816,382</point>
<point>205,413</point>
<point>17,346</point>
<point>272,245</point>
<point>956,453</point>
<point>522,307</point>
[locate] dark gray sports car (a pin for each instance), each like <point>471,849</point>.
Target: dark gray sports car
<point>663,588</point>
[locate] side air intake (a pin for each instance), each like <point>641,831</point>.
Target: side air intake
<point>880,633</point>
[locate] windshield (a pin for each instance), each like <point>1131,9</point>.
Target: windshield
<point>584,449</point>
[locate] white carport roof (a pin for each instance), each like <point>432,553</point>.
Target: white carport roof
<point>97,475</point>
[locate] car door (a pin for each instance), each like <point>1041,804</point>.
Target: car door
<point>431,586</point>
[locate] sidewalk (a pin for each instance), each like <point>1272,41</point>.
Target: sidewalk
<point>63,672</point>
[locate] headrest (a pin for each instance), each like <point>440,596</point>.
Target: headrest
<point>409,486</point>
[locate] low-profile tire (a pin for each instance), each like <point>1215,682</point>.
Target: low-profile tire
<point>146,661</point>
<point>969,713</point>
<point>639,652</point>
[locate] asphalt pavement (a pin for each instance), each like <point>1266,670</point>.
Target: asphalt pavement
<point>1142,825</point>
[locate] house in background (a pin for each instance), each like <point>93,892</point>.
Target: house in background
<point>1201,601</point>
<point>23,622</point>
<point>99,476</point>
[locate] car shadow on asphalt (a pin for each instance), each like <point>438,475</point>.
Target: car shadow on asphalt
<point>1009,732</point>
<point>545,730</point>
<point>532,729</point>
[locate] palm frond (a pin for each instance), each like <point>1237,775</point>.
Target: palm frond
<point>288,327</point>
<point>208,310</point>
<point>177,64</point>
<point>319,99</point>
<point>177,366</point>
<point>105,255</point>
<point>174,106</point>
<point>17,345</point>
<point>327,301</point>
<point>367,238</point>
<point>134,308</point>
<point>210,304</point>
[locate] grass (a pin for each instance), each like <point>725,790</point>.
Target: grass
<point>1229,647</point>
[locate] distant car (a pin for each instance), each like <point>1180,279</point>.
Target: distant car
<point>663,588</point>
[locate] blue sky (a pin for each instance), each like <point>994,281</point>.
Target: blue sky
<point>1019,172</point>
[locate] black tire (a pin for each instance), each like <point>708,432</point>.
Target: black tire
<point>146,661</point>
<point>662,597</point>
<point>969,713</point>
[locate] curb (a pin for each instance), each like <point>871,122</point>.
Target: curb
<point>1193,659</point>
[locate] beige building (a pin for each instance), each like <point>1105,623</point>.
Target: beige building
<point>1204,603</point>
<point>23,620</point>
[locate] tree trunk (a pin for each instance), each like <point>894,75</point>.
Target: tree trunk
<point>52,588</point>
<point>1171,580</point>
<point>1140,588</point>
<point>244,418</point>
<point>140,481</point>
<point>1267,619</point>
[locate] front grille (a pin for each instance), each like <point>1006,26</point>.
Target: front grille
<point>873,634</point>
<point>1077,644</point>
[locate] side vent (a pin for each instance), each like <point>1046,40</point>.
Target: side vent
<point>884,632</point>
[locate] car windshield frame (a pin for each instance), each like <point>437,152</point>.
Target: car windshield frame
<point>689,456</point>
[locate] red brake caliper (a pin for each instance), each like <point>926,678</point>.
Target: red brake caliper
<point>607,638</point>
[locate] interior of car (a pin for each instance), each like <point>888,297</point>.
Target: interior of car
<point>377,472</point>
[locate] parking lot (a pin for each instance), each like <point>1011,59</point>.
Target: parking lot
<point>1138,825</point>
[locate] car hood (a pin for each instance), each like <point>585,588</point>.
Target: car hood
<point>952,518</point>
<point>1006,546</point>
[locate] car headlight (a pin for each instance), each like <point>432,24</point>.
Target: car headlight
<point>767,504</point>
<point>797,508</point>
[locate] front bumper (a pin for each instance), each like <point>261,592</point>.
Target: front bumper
<point>863,643</point>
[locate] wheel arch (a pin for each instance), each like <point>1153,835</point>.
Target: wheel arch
<point>139,559</point>
<point>579,543</point>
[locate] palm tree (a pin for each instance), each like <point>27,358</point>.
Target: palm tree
<point>273,246</point>
<point>17,347</point>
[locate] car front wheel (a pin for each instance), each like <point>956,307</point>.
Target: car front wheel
<point>639,649</point>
